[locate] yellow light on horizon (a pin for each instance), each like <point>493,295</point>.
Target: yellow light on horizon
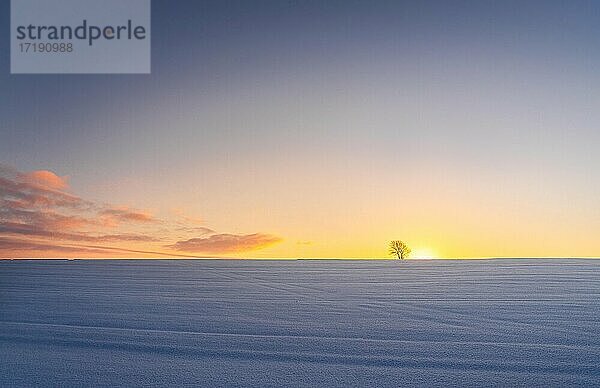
<point>423,254</point>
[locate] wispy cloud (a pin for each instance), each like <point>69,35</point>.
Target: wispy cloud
<point>38,214</point>
<point>118,214</point>
<point>21,229</point>
<point>196,230</point>
<point>15,245</point>
<point>226,243</point>
<point>21,246</point>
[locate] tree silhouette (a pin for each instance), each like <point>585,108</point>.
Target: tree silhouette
<point>399,249</point>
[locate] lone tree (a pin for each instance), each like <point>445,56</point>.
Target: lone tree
<point>399,249</point>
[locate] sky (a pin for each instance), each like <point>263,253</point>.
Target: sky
<point>282,129</point>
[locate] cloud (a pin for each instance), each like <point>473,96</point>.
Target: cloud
<point>122,237</point>
<point>32,248</point>
<point>47,179</point>
<point>118,214</point>
<point>43,192</point>
<point>44,219</point>
<point>40,189</point>
<point>21,245</point>
<point>197,230</point>
<point>36,205</point>
<point>38,214</point>
<point>21,229</point>
<point>226,243</point>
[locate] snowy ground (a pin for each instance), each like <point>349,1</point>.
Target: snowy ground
<point>300,323</point>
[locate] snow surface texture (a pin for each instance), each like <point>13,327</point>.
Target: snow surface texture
<point>300,323</point>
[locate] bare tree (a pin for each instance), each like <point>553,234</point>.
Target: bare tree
<point>399,249</point>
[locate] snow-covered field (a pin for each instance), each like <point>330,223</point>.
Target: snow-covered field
<point>300,323</point>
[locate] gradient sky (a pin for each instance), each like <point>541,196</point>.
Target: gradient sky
<point>316,129</point>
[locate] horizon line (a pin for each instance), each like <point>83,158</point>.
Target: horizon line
<point>308,258</point>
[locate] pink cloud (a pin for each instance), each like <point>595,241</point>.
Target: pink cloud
<point>36,189</point>
<point>38,214</point>
<point>46,179</point>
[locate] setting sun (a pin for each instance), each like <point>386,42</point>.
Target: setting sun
<point>423,254</point>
